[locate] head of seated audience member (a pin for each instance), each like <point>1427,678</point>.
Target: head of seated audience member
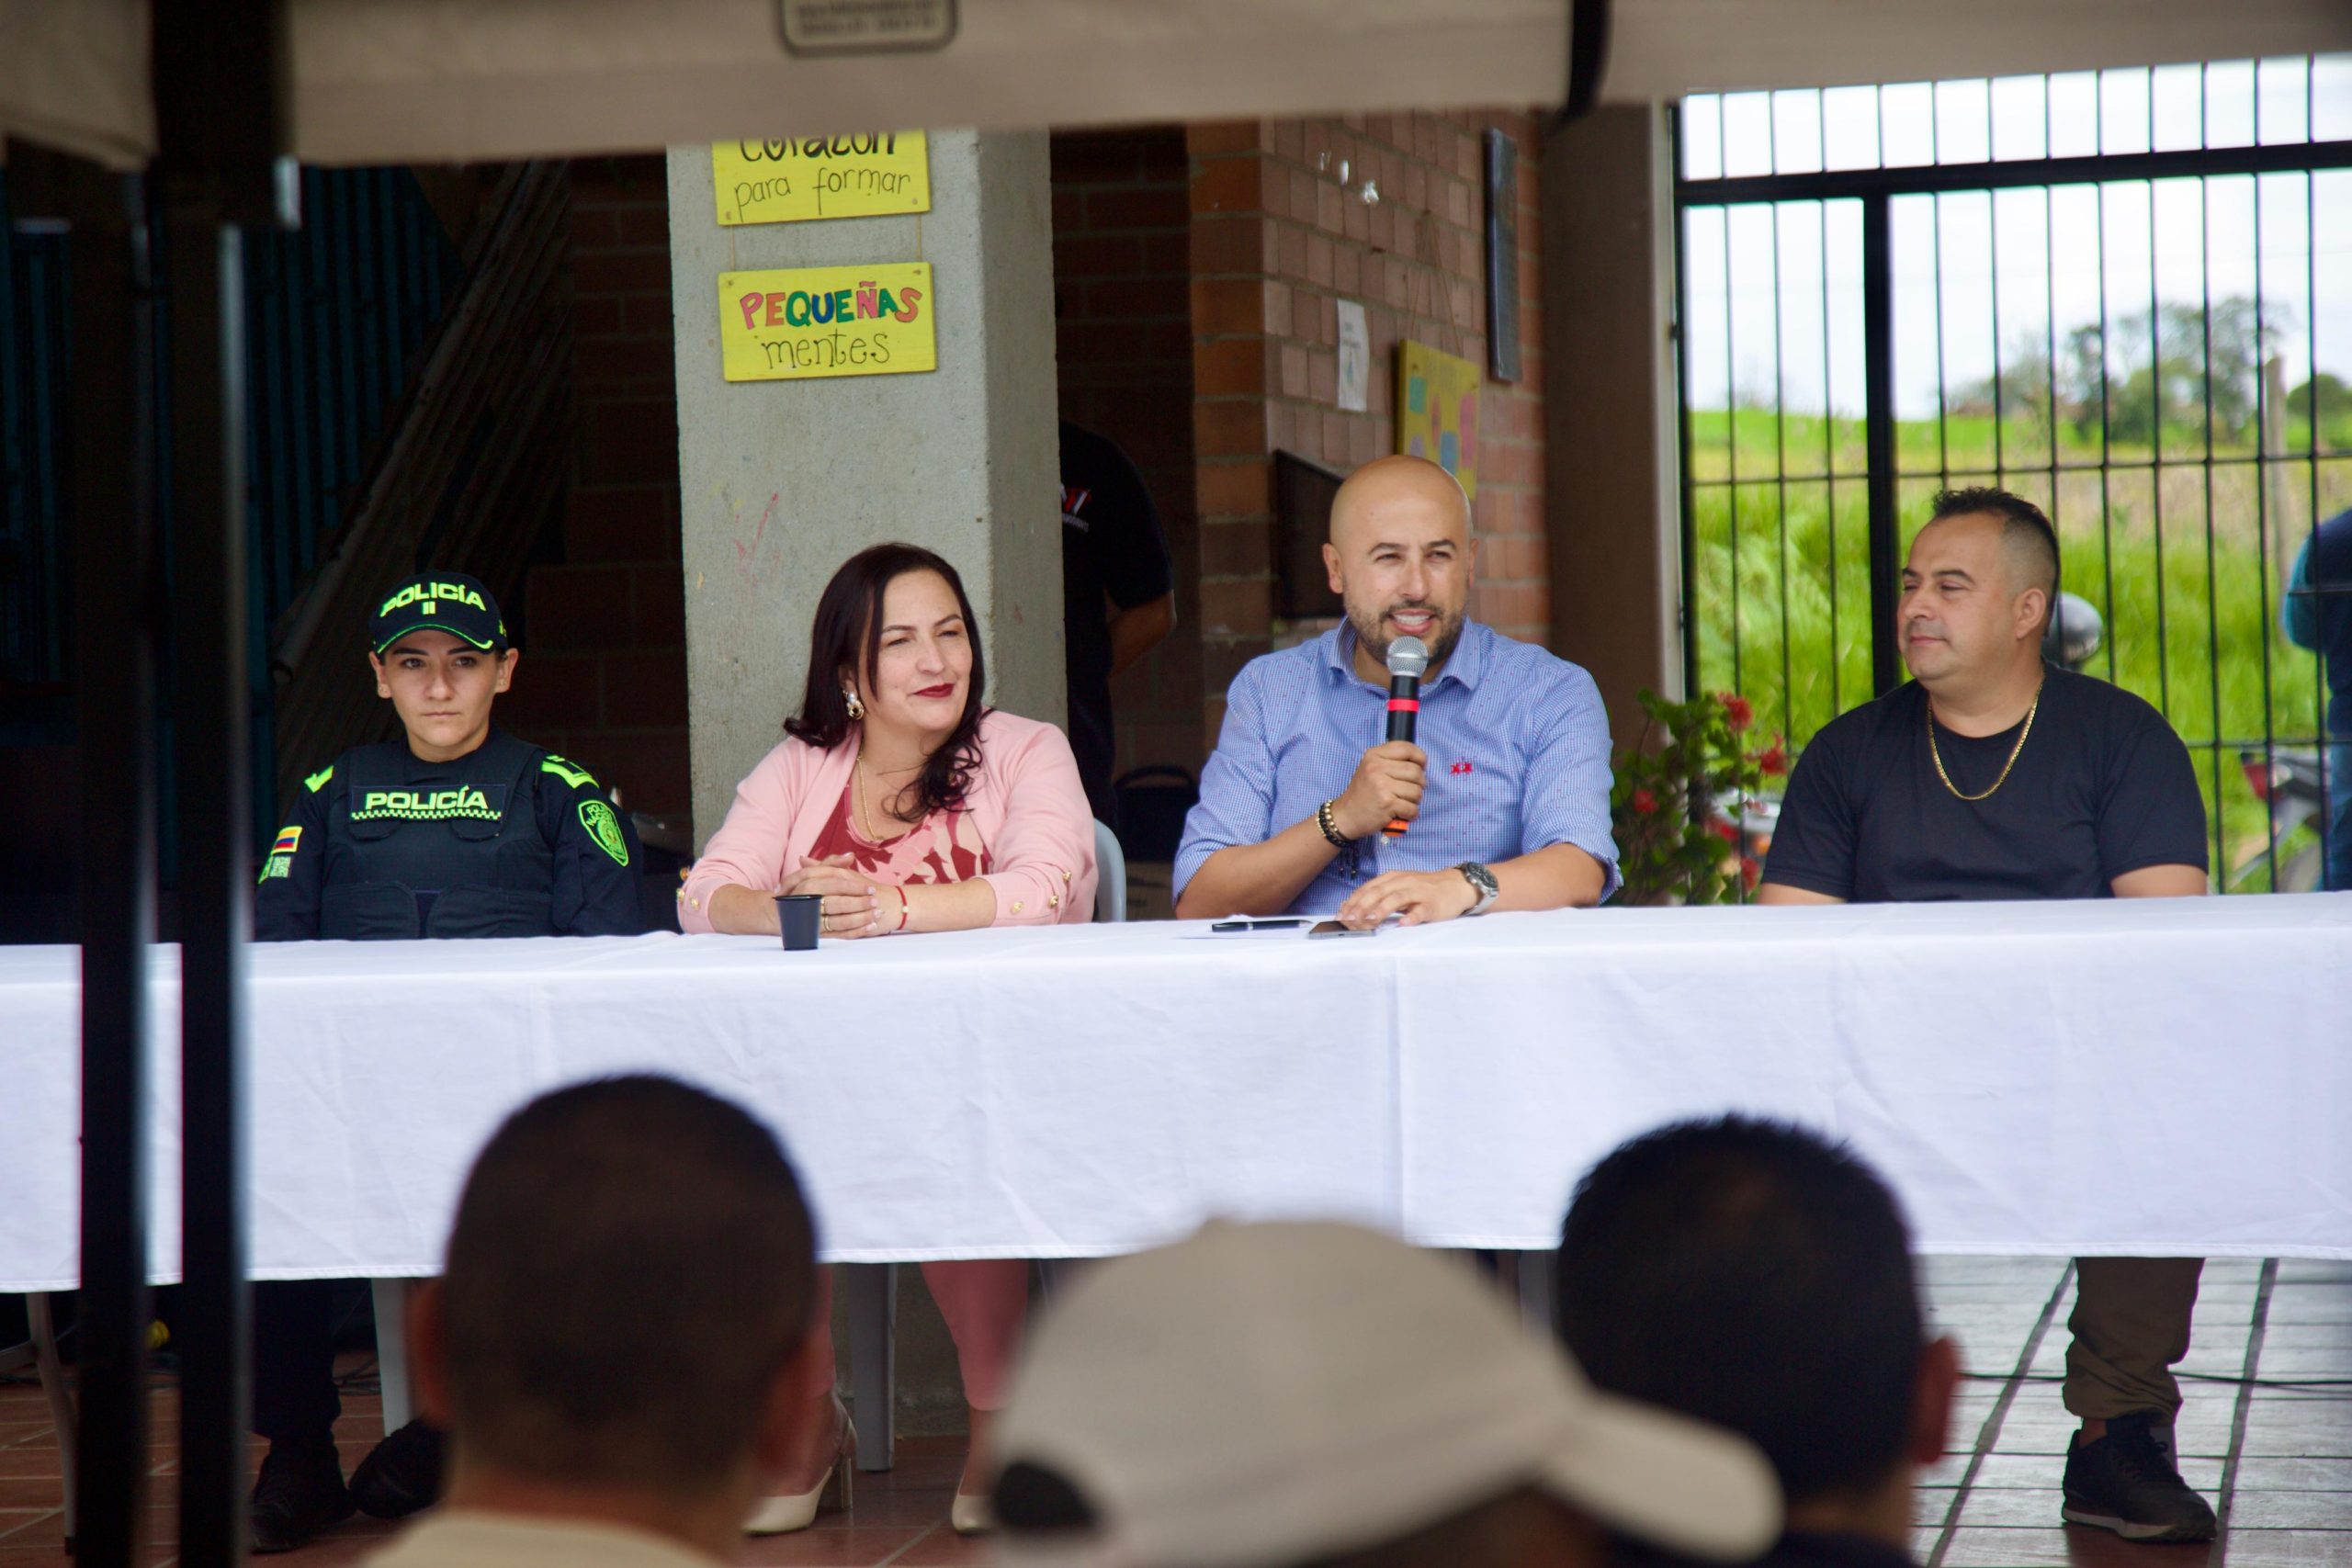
<point>1287,1395</point>
<point>618,1335</point>
<point>1758,1276</point>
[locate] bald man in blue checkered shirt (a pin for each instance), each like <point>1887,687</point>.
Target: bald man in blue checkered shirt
<point>1507,792</point>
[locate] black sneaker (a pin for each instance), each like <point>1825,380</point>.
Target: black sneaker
<point>300,1493</point>
<point>2127,1482</point>
<point>401,1475</point>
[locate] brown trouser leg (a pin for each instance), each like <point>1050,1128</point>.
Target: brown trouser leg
<point>2131,1324</point>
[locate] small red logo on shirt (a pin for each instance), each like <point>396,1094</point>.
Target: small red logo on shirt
<point>1460,768</point>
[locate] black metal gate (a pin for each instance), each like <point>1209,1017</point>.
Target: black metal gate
<point>2126,295</point>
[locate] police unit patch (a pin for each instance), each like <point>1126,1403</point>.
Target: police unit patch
<point>606,828</point>
<point>277,865</point>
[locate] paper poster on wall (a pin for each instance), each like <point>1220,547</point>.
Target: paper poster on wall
<point>867,176</point>
<point>805,323</point>
<point>1355,358</point>
<point>1437,411</point>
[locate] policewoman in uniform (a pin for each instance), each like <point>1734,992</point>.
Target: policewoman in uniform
<point>456,829</point>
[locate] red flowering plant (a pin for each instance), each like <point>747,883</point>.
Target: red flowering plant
<point>1676,844</point>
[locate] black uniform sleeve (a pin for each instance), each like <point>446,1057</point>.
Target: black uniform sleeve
<point>1130,551</point>
<point>598,861</point>
<point>1813,842</point>
<point>286,905</point>
<point>2150,812</point>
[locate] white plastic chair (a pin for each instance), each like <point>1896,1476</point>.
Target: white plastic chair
<point>1110,876</point>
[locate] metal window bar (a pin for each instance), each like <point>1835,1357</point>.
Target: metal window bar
<point>2156,568</point>
<point>1828,432</point>
<point>1781,470</point>
<point>1689,528</point>
<point>1731,415</point>
<point>2261,393</point>
<point>2311,399</point>
<point>2205,299</point>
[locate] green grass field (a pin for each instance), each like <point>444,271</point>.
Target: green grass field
<point>2183,570</point>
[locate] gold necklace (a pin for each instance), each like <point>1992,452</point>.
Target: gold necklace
<point>1937,757</point>
<point>865,818</point>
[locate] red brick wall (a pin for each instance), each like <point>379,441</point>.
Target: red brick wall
<point>1278,239</point>
<point>603,674</point>
<point>1123,346</point>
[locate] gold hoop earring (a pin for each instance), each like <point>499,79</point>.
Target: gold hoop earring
<point>856,708</point>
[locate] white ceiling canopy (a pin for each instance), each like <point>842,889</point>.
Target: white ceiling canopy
<point>427,81</point>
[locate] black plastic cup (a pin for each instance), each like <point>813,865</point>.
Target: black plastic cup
<point>800,915</point>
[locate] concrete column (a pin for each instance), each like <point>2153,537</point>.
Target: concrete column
<point>780,482</point>
<point>1612,434</point>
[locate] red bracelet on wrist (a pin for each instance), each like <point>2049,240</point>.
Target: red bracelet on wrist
<point>903,913</point>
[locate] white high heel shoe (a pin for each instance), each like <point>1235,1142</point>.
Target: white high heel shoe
<point>970,1514</point>
<point>786,1512</point>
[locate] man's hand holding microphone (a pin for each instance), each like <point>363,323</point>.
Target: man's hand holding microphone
<point>1384,796</point>
<point>1386,788</point>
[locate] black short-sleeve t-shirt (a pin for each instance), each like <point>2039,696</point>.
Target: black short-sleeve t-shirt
<point>2103,786</point>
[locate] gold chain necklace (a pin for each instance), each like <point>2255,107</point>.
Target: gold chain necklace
<point>864,820</point>
<point>857,776</point>
<point>1937,757</point>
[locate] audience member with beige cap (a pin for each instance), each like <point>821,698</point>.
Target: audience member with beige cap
<point>1278,1395</point>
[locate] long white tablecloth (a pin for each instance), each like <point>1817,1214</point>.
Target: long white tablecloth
<point>2166,1077</point>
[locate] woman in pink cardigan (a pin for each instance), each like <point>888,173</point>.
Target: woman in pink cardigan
<point>909,807</point>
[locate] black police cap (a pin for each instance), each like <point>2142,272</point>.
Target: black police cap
<point>439,602</point>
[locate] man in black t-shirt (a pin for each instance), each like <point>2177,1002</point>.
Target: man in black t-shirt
<point>1994,775</point>
<point>1118,595</point>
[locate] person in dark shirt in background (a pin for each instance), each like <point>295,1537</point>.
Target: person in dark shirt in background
<point>456,829</point>
<point>1118,595</point>
<point>1993,774</point>
<point>2318,615</point>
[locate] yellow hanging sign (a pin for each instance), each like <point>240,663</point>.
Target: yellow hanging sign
<point>820,177</point>
<point>805,323</point>
<point>1437,411</point>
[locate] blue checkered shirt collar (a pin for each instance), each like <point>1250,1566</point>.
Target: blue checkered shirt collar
<point>1463,666</point>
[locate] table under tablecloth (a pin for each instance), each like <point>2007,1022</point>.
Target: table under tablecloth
<point>2166,1077</point>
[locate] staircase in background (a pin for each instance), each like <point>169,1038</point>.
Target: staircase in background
<point>470,470</point>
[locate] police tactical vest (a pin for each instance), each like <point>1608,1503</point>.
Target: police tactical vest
<point>473,840</point>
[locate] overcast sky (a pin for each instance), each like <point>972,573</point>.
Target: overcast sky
<point>2177,241</point>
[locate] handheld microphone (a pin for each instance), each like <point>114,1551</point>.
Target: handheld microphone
<point>1407,657</point>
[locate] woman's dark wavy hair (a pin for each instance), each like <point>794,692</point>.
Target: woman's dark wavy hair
<point>848,636</point>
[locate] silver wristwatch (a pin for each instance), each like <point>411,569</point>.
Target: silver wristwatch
<point>1482,882</point>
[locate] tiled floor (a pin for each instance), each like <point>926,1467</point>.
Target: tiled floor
<point>2276,1460</point>
<point>900,1516</point>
